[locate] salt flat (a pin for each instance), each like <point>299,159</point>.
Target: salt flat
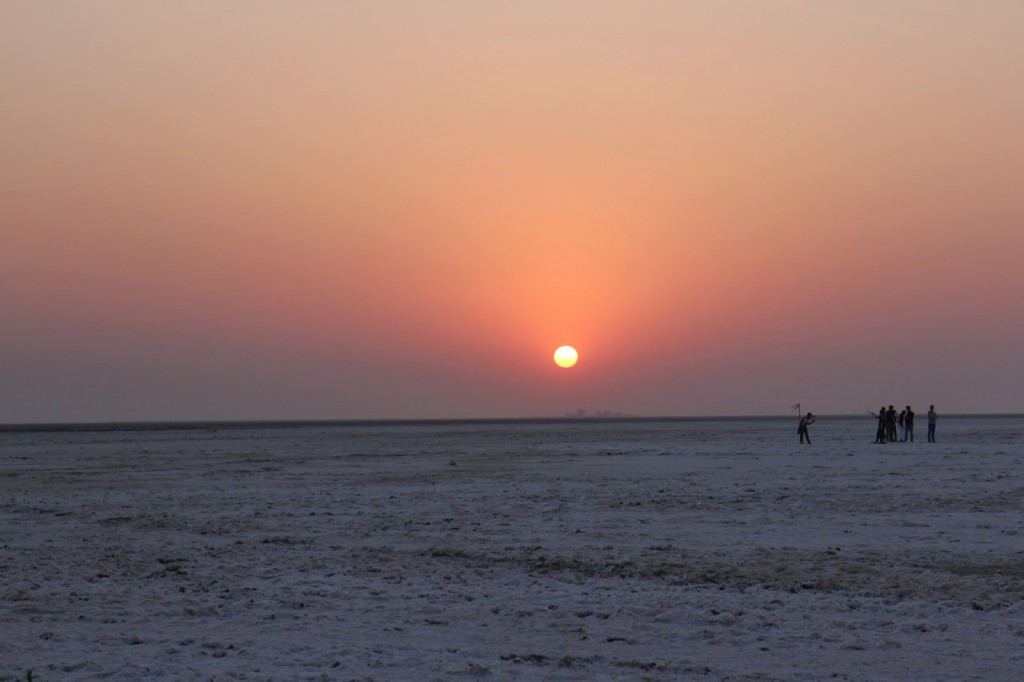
<point>558,551</point>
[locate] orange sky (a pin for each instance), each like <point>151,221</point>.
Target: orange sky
<point>400,209</point>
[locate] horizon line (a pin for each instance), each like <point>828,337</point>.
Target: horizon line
<point>182,424</point>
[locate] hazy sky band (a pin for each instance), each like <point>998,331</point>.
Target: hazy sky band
<point>359,210</point>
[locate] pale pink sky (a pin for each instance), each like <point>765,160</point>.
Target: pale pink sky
<point>247,210</point>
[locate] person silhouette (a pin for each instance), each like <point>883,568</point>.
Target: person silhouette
<point>908,425</point>
<point>932,418</point>
<point>805,421</point>
<point>890,424</point>
<point>880,435</point>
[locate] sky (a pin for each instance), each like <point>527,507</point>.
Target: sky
<point>393,209</point>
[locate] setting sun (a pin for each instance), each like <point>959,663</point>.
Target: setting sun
<point>566,356</point>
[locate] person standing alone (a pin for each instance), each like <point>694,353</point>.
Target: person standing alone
<point>932,418</point>
<point>805,421</point>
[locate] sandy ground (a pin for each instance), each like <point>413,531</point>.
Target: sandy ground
<point>663,551</point>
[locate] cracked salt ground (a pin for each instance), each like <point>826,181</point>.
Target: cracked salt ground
<point>591,550</point>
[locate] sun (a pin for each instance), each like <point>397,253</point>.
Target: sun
<point>566,356</point>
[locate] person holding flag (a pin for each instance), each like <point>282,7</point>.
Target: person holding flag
<point>805,421</point>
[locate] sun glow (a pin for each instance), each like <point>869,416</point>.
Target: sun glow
<point>566,356</point>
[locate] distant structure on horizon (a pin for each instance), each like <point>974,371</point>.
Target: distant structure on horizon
<point>600,414</point>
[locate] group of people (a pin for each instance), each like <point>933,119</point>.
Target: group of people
<point>894,427</point>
